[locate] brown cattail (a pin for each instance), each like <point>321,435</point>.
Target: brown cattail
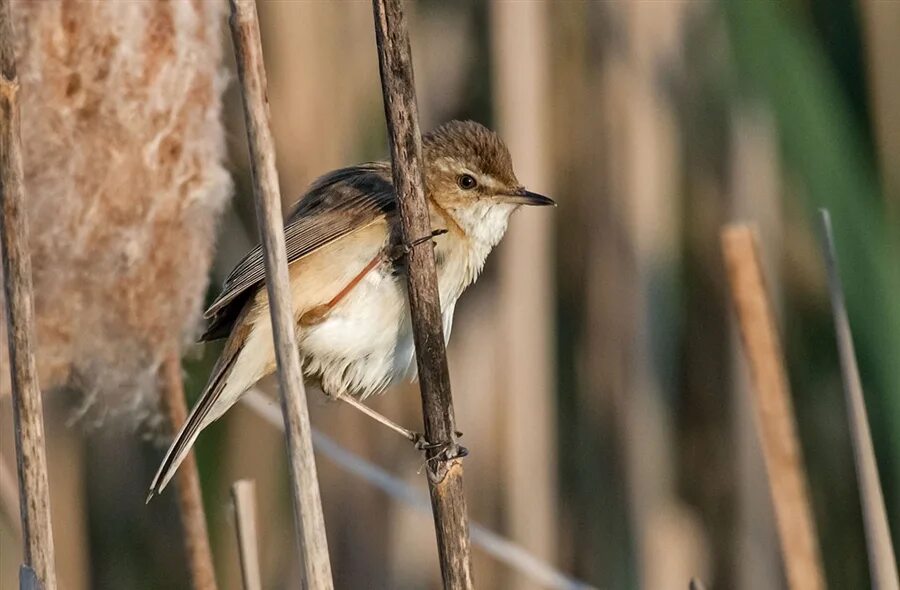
<point>123,148</point>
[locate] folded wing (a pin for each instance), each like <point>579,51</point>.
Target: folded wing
<point>336,205</point>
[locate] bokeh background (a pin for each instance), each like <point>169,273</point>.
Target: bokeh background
<point>596,372</point>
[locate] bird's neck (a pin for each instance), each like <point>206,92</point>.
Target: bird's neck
<point>474,230</point>
<point>484,222</point>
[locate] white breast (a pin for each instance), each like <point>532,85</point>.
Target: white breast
<point>351,349</point>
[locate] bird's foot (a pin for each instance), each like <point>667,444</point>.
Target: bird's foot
<point>400,251</point>
<point>446,450</point>
<point>437,452</point>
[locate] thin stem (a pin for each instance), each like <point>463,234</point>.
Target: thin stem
<point>34,489</point>
<point>309,521</point>
<point>243,495</point>
<point>882,563</point>
<point>444,464</point>
<point>774,410</point>
<point>190,498</point>
<point>404,432</point>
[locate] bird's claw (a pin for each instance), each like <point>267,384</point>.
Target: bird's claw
<point>419,441</point>
<point>401,250</point>
<point>448,449</point>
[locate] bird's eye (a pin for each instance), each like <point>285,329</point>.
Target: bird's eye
<point>466,182</point>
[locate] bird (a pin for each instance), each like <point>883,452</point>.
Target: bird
<point>347,276</point>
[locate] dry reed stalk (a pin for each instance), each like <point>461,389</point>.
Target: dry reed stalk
<point>31,459</point>
<point>123,148</point>
<point>307,51</point>
<point>882,563</point>
<point>243,496</point>
<point>309,522</point>
<point>444,463</point>
<point>187,482</point>
<point>526,279</point>
<point>774,412</point>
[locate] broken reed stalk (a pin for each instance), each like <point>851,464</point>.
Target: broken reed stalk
<point>243,495</point>
<point>773,410</point>
<point>444,464</point>
<point>309,521</point>
<point>187,482</point>
<point>882,563</point>
<point>34,489</point>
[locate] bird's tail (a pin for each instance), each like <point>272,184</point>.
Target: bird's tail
<point>196,421</point>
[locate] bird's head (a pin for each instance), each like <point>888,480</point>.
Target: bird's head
<point>469,172</point>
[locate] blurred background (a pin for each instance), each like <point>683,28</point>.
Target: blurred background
<point>596,372</point>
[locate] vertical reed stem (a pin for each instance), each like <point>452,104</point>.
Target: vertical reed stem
<point>34,489</point>
<point>882,563</point>
<point>445,472</point>
<point>774,411</point>
<point>309,521</point>
<point>190,499</point>
<point>243,495</point>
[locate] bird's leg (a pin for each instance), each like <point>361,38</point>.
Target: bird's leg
<point>416,438</point>
<point>399,251</point>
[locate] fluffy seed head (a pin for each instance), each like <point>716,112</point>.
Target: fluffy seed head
<point>123,153</point>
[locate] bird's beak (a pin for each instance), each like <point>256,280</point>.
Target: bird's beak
<point>524,197</point>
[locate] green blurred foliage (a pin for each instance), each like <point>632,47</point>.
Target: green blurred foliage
<point>808,68</point>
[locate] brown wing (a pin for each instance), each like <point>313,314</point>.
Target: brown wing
<point>336,205</point>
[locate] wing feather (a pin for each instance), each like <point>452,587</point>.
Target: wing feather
<point>335,206</point>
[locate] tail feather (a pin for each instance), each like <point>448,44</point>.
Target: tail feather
<point>195,422</point>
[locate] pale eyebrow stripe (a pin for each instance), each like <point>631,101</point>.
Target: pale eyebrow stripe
<point>444,165</point>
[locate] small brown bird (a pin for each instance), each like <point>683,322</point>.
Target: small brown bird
<point>348,286</point>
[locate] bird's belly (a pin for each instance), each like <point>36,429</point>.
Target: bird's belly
<point>364,342</point>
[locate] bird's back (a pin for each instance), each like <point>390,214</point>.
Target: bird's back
<point>335,205</point>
